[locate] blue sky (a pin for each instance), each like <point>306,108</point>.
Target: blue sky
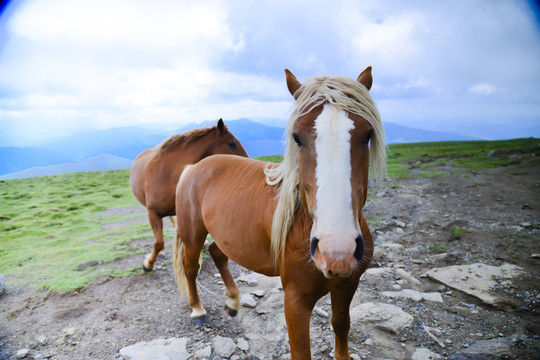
<point>68,66</point>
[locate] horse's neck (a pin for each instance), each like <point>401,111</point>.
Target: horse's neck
<point>192,152</point>
<point>302,220</point>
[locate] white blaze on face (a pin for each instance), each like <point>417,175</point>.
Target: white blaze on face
<point>334,223</point>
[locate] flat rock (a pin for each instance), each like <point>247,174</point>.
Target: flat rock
<point>439,260</point>
<point>476,279</point>
<point>464,356</point>
<point>385,316</point>
<point>22,353</point>
<point>248,279</point>
<point>159,349</point>
<point>242,344</point>
<point>204,353</point>
<point>258,293</point>
<point>414,295</point>
<point>425,354</point>
<point>41,339</point>
<point>373,276</point>
<point>248,301</point>
<point>388,251</point>
<point>223,346</point>
<point>499,347</point>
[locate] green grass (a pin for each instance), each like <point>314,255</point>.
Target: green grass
<point>458,231</point>
<point>378,221</point>
<point>439,248</point>
<point>51,225</point>
<point>472,156</point>
<point>433,174</point>
<point>271,158</point>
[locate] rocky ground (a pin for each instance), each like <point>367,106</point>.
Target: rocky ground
<point>455,276</point>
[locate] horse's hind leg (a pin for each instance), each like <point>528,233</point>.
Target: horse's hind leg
<point>157,227</point>
<point>192,247</point>
<point>232,304</point>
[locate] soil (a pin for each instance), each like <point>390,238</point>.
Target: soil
<point>491,217</point>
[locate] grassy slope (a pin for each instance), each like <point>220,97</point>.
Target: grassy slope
<point>50,225</point>
<point>470,155</point>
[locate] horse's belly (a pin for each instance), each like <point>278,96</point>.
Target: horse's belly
<point>248,253</point>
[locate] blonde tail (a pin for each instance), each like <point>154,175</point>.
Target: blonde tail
<point>179,272</point>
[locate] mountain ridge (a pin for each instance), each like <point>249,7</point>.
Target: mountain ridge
<point>94,163</point>
<point>127,142</point>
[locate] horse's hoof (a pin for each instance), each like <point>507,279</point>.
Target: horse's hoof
<point>146,270</point>
<point>231,312</point>
<point>199,320</point>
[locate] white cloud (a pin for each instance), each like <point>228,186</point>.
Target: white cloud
<point>482,89</point>
<point>388,39</point>
<point>160,24</point>
<point>107,63</point>
<point>450,45</point>
<point>126,57</point>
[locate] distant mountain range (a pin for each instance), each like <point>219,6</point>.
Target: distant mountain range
<point>116,148</point>
<point>99,162</point>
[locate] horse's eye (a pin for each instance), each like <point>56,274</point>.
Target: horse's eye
<point>368,137</point>
<point>297,140</point>
<point>232,144</point>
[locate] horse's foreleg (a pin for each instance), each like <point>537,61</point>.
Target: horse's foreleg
<point>298,308</point>
<point>341,321</point>
<point>156,222</point>
<point>232,304</point>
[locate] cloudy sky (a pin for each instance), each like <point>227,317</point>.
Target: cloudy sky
<point>71,65</point>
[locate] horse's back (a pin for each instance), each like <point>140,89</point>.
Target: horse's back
<point>228,195</point>
<point>221,181</point>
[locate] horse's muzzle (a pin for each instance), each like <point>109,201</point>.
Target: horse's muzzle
<point>336,267</point>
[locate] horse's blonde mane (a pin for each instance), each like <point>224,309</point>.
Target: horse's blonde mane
<point>182,139</point>
<point>343,92</point>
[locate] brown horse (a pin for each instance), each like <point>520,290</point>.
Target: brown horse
<point>155,173</point>
<point>302,219</point>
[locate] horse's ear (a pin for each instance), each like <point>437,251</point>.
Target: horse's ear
<point>365,78</point>
<point>292,83</point>
<point>221,126</point>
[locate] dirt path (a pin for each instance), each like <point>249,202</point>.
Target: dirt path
<point>419,224</point>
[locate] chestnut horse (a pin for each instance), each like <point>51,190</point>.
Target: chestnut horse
<point>302,219</point>
<point>155,173</point>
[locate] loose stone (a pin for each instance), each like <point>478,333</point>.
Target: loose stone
<point>248,301</point>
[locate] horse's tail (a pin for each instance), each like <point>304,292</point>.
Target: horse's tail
<point>173,223</point>
<point>179,272</point>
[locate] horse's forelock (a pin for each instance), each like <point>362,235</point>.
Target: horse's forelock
<point>343,92</point>
<point>353,97</point>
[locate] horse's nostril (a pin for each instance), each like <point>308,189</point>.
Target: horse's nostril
<point>359,251</point>
<point>314,243</point>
